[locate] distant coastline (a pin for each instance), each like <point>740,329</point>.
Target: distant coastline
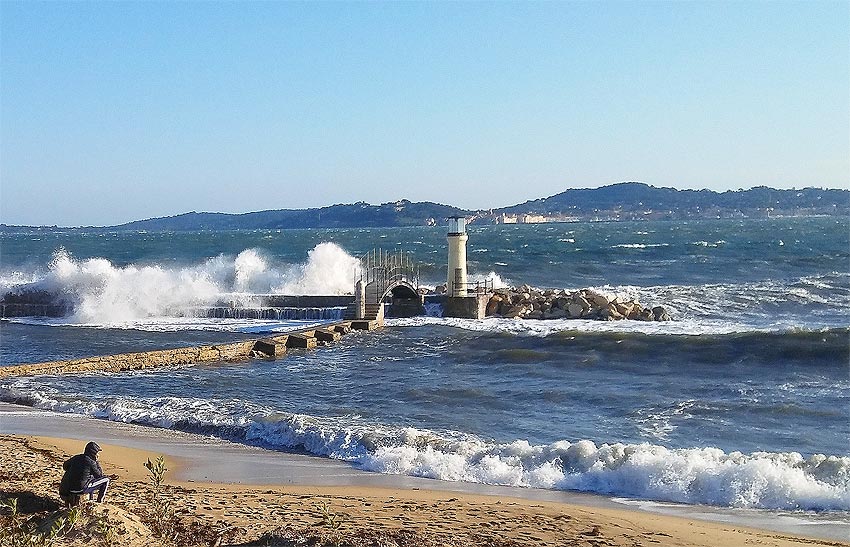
<point>626,201</point>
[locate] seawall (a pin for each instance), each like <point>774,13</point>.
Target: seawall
<point>39,303</point>
<point>272,347</point>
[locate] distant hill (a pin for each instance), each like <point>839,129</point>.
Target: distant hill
<point>622,201</point>
<point>633,200</point>
<point>361,214</point>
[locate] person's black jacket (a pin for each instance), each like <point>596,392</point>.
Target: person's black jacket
<point>79,471</point>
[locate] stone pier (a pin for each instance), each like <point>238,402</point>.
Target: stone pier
<point>272,347</point>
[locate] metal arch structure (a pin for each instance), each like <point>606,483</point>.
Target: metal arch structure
<point>384,272</point>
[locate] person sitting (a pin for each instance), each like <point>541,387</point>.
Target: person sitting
<point>83,475</point>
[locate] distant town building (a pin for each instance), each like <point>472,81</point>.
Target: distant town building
<point>530,219</point>
<point>527,218</point>
<point>506,219</point>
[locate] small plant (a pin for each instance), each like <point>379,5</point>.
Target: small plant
<point>20,532</point>
<point>156,474</point>
<point>163,521</point>
<point>13,532</point>
<point>332,520</point>
<point>107,531</point>
<point>328,518</point>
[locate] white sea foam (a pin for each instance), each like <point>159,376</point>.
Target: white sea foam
<point>658,423</point>
<point>768,306</point>
<point>14,278</point>
<point>105,294</point>
<point>787,481</point>
<point>492,279</point>
<point>706,475</point>
<point>639,245</point>
<point>546,327</point>
<point>717,243</point>
<point>328,270</point>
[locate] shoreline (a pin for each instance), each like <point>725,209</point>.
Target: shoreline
<point>212,465</point>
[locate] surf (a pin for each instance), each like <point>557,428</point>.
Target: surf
<point>699,475</point>
<point>101,293</point>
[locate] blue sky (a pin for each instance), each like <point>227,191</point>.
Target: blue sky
<point>116,111</point>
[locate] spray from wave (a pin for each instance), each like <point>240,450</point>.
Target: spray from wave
<point>491,280</point>
<point>100,292</point>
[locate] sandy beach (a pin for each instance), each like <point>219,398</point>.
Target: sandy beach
<point>351,508</point>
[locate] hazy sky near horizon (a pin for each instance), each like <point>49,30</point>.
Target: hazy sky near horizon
<point>117,111</point>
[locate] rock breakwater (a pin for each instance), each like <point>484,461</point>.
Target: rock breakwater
<point>529,303</point>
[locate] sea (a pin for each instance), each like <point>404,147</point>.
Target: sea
<point>742,401</point>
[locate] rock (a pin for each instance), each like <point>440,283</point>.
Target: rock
<point>514,311</point>
<point>556,313</point>
<point>660,314</point>
<point>645,315</point>
<point>494,305</point>
<point>580,300</point>
<point>530,303</point>
<point>610,313</point>
<point>575,310</point>
<point>625,308</point>
<point>598,300</point>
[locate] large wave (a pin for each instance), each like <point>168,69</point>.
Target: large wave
<point>100,292</point>
<point>786,481</point>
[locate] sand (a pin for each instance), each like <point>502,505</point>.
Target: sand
<point>30,466</point>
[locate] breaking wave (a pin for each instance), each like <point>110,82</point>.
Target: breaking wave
<point>100,292</point>
<point>786,481</point>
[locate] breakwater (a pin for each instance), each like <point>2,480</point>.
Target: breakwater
<point>271,347</point>
<point>524,302</point>
<point>529,303</point>
<point>43,303</point>
<point>34,303</point>
<point>268,313</point>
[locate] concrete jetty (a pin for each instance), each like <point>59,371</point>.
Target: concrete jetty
<point>268,348</point>
<point>42,303</point>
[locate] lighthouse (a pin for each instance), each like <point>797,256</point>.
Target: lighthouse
<point>456,281</point>
<point>459,301</point>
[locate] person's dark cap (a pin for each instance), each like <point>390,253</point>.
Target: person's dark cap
<point>93,448</point>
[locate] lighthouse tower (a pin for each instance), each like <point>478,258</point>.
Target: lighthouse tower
<point>456,282</point>
<point>458,301</point>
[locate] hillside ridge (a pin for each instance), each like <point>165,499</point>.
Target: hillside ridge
<point>620,201</point>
